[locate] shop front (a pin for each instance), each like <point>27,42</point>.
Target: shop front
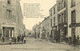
<point>8,32</point>
<point>75,32</point>
<point>62,29</point>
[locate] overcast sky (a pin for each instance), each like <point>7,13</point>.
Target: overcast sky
<point>45,5</point>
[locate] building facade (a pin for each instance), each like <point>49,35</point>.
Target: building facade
<point>68,19</point>
<point>11,22</point>
<point>45,27</point>
<point>42,30</point>
<point>63,21</point>
<point>53,21</point>
<point>62,18</point>
<point>73,18</point>
<point>36,31</point>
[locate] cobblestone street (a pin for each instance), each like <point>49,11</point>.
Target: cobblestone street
<point>38,45</point>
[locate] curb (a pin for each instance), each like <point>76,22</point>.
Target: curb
<point>7,43</point>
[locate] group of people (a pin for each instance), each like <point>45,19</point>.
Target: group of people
<point>19,38</point>
<point>74,40</point>
<point>70,40</point>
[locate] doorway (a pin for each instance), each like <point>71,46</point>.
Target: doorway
<point>8,32</point>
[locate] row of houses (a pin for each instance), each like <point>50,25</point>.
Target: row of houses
<point>11,19</point>
<point>63,21</point>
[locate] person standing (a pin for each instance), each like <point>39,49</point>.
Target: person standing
<point>74,40</point>
<point>78,37</point>
<point>18,38</point>
<point>14,39</point>
<point>22,37</point>
<point>3,39</point>
<point>10,40</point>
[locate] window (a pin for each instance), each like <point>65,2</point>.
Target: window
<point>62,17</point>
<point>54,19</point>
<point>59,7</point>
<point>72,3</point>
<point>54,23</point>
<point>51,12</point>
<point>65,17</point>
<point>8,1</point>
<point>54,10</point>
<point>59,19</point>
<point>51,22</point>
<point>73,17</point>
<point>64,3</point>
<point>9,14</point>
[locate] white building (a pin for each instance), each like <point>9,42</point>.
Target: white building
<point>53,20</point>
<point>11,19</point>
<point>73,18</point>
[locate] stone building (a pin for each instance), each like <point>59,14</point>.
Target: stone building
<point>74,18</point>
<point>53,21</point>
<point>11,19</point>
<point>62,18</point>
<point>42,30</point>
<point>68,18</point>
<point>45,27</point>
<point>36,31</point>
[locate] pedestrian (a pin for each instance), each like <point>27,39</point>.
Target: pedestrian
<point>18,38</point>
<point>35,35</point>
<point>78,37</point>
<point>70,40</point>
<point>3,39</point>
<point>10,40</point>
<point>74,40</point>
<point>22,37</point>
<point>51,36</point>
<point>14,39</point>
<point>66,40</point>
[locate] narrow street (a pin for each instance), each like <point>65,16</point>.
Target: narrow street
<point>38,45</point>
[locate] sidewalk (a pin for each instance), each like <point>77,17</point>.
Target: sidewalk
<point>7,43</point>
<point>44,40</point>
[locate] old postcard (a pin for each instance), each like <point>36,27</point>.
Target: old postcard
<point>39,25</point>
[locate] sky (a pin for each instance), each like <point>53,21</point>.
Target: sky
<point>45,5</point>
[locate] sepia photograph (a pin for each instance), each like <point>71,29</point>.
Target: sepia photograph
<point>39,25</point>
